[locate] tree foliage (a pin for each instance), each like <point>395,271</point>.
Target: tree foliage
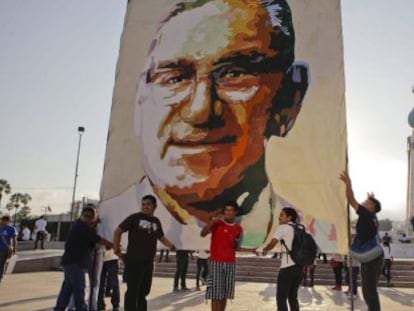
<point>5,188</point>
<point>18,200</point>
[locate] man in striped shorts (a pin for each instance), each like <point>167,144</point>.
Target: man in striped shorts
<point>225,233</point>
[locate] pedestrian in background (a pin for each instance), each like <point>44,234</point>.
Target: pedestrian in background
<point>40,229</point>
<point>8,242</point>
<point>202,267</point>
<point>337,266</point>
<point>388,261</point>
<point>181,257</point>
<point>309,270</point>
<point>164,253</point>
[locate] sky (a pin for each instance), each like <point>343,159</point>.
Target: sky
<point>57,72</point>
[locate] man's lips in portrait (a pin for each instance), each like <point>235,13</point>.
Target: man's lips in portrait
<point>203,142</point>
<point>194,144</point>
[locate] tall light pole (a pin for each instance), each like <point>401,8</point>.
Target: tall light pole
<point>410,175</point>
<point>81,130</point>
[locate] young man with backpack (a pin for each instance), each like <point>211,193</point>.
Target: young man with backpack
<point>294,257</point>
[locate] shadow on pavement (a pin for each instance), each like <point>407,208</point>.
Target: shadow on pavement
<point>178,300</point>
<point>15,302</point>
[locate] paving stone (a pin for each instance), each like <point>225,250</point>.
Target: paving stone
<point>37,291</point>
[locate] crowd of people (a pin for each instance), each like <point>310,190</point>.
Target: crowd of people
<point>85,250</point>
<point>144,230</point>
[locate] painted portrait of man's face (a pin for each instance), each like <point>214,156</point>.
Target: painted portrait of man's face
<point>219,81</point>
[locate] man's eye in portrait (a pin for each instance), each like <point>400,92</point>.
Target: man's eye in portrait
<point>236,78</point>
<point>175,79</point>
<point>236,84</point>
<point>171,78</point>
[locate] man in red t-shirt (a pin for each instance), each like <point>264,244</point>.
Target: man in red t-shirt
<point>225,234</point>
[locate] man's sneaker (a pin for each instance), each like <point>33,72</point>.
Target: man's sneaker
<point>175,289</point>
<point>185,288</point>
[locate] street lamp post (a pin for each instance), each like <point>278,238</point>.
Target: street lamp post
<point>81,130</point>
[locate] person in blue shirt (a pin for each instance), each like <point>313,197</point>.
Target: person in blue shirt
<point>8,239</point>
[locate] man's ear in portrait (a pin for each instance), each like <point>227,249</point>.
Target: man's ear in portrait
<point>288,100</point>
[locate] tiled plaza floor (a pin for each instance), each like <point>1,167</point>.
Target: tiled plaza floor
<point>38,291</point>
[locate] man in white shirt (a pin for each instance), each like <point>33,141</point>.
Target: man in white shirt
<point>25,234</point>
<point>388,260</point>
<point>40,228</point>
<point>109,280</point>
<point>202,267</point>
<point>290,274</point>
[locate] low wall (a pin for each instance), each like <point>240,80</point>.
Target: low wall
<point>28,245</point>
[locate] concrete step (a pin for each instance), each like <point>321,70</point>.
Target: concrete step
<point>38,260</point>
<point>248,269</point>
<point>259,269</point>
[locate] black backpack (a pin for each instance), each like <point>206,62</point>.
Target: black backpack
<point>304,247</point>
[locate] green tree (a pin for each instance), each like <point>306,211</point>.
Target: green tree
<point>25,211</point>
<point>23,214</point>
<point>9,207</point>
<point>5,188</point>
<point>19,199</point>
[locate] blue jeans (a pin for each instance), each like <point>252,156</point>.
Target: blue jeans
<point>73,283</point>
<point>109,276</point>
<point>370,273</point>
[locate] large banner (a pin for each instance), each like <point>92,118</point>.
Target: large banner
<point>229,100</point>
